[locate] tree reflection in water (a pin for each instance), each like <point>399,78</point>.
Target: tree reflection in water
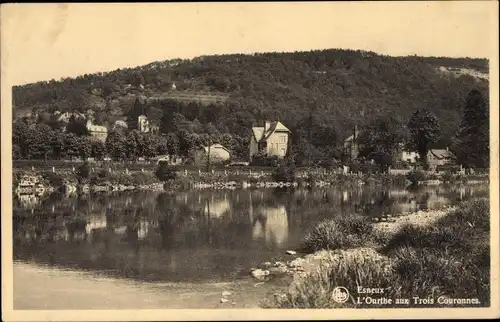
<point>196,235</point>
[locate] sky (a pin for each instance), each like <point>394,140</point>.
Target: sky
<point>45,41</point>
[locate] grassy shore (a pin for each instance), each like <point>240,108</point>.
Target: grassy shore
<point>444,262</point>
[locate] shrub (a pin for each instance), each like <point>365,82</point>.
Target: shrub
<point>349,231</point>
<point>415,177</point>
<point>348,270</point>
<point>261,159</point>
<point>284,173</point>
<point>447,177</point>
<point>165,172</point>
<point>144,178</point>
<point>83,172</point>
<point>451,258</point>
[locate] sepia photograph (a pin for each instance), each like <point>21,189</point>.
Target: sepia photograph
<point>241,160</point>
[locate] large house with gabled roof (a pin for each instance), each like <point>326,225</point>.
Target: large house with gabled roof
<point>272,139</point>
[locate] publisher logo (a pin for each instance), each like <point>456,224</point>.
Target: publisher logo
<point>340,294</point>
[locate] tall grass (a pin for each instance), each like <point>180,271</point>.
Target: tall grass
<point>450,258</point>
<point>341,232</point>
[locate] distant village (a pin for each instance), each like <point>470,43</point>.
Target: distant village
<point>272,139</point>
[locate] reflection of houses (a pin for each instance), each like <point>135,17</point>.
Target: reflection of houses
<point>216,208</point>
<point>272,139</point>
<point>28,200</point>
<point>437,157</point>
<point>97,131</point>
<point>435,201</point>
<point>351,145</point>
<point>95,221</point>
<point>272,225</point>
<point>143,230</point>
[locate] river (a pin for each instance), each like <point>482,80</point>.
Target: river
<point>192,238</point>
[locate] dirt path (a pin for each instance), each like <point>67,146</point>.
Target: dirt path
<point>39,287</point>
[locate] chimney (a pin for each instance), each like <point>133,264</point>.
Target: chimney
<point>447,149</point>
<point>267,125</point>
<point>355,132</point>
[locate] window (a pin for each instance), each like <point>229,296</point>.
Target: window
<point>283,138</point>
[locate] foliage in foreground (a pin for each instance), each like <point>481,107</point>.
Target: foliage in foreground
<point>450,259</point>
<point>341,232</point>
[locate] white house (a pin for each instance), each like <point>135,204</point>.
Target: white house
<point>143,124</point>
<point>218,151</point>
<point>97,131</point>
<point>272,138</point>
<point>437,157</point>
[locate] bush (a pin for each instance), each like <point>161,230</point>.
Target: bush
<point>451,258</point>
<point>415,177</point>
<point>165,172</point>
<point>342,232</point>
<point>83,172</point>
<point>284,173</point>
<point>261,159</point>
<point>144,178</point>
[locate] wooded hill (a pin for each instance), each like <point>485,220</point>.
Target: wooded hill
<point>332,90</point>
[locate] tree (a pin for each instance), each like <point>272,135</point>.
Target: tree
<point>380,140</point>
<point>77,126</point>
<point>85,147</point>
<point>116,145</point>
<point>71,146</point>
<point>472,140</point>
<point>83,172</point>
<point>424,130</point>
<point>98,149</point>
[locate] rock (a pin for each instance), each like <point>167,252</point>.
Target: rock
<point>259,273</point>
<point>223,300</point>
<point>278,270</point>
<point>226,293</point>
<point>266,265</point>
<point>291,252</point>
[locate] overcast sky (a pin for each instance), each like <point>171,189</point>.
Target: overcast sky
<point>45,41</point>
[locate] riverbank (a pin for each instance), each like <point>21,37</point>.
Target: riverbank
<point>101,181</point>
<point>442,256</point>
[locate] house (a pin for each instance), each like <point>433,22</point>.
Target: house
<point>272,139</point>
<point>143,124</point>
<point>351,145</point>
<point>404,155</point>
<point>218,151</point>
<point>408,156</point>
<point>171,160</point>
<point>97,131</point>
<point>437,157</point>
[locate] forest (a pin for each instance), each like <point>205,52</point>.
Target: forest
<point>319,95</point>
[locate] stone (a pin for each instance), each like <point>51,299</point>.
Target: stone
<point>291,252</point>
<point>266,265</point>
<point>259,273</point>
<point>223,300</point>
<point>226,293</point>
<point>278,270</point>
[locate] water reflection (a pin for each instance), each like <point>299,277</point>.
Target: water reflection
<point>196,235</point>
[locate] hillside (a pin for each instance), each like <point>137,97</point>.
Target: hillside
<point>334,89</point>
